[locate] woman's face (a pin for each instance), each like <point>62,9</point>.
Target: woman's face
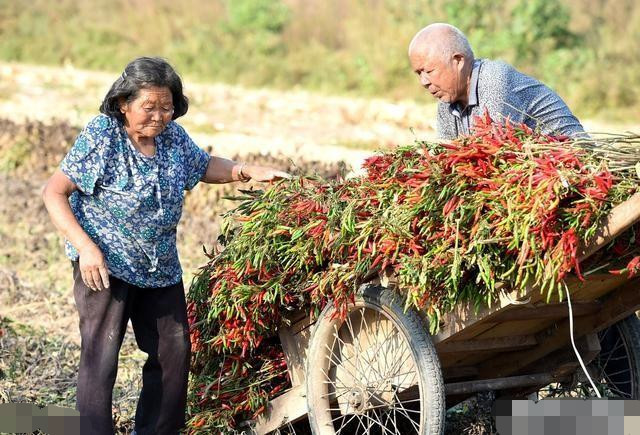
<point>149,113</point>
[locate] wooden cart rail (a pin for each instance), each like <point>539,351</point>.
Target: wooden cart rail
<point>501,345</point>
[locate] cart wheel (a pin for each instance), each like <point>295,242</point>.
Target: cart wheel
<point>376,372</point>
<point>615,371</point>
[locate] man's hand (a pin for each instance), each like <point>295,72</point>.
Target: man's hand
<point>93,267</point>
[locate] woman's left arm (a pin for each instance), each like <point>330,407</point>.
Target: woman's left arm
<point>221,170</point>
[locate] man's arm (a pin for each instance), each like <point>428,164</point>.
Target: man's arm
<point>522,98</point>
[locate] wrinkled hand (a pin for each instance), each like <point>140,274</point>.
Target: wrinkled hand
<point>264,173</point>
<point>93,268</point>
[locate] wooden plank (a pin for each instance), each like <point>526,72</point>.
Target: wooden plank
<point>295,341</point>
<point>564,358</point>
<point>470,332</point>
<point>498,330</point>
<point>469,387</point>
<point>295,361</point>
<point>618,305</point>
<point>520,327</point>
<point>562,363</point>
<point>589,347</point>
<point>596,286</point>
<point>460,372</point>
<point>619,219</point>
<point>287,408</point>
<point>465,320</point>
<point>543,310</point>
<point>501,330</point>
<point>295,347</point>
<point>303,322</point>
<point>490,344</point>
<point>293,317</point>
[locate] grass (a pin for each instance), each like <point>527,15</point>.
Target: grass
<point>38,366</point>
<point>13,156</point>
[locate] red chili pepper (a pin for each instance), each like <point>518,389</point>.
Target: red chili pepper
<point>450,205</point>
<point>634,266</point>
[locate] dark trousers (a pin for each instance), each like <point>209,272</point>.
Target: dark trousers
<point>159,319</point>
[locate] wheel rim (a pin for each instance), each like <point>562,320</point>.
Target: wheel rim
<point>369,376</point>
<point>612,371</point>
<point>614,366</point>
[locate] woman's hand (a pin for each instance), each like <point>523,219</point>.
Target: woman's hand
<point>262,173</point>
<point>93,267</point>
<point>55,195</point>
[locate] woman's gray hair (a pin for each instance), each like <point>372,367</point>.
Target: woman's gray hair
<point>443,39</point>
<point>141,73</point>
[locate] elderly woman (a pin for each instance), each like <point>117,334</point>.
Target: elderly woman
<point>117,199</point>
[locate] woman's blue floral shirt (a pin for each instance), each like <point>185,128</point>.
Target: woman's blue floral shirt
<point>129,203</point>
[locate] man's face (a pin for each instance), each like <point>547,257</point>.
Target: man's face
<point>441,77</point>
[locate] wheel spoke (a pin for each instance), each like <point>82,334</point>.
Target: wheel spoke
<point>329,381</point>
<point>627,370</point>
<point>376,354</point>
<point>386,406</point>
<point>379,347</point>
<point>403,411</point>
<point>362,355</point>
<point>401,364</point>
<point>361,422</point>
<point>369,363</point>
<point>353,341</point>
<point>612,351</point>
<point>611,386</point>
<point>337,363</point>
<point>394,375</point>
<point>382,427</point>
<point>343,424</point>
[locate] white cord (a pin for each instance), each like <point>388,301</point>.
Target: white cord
<point>573,343</point>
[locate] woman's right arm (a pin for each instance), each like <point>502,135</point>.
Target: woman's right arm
<point>55,195</point>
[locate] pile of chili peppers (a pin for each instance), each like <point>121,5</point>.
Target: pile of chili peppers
<point>504,205</point>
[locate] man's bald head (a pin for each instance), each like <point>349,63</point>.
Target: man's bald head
<point>442,58</point>
<point>442,40</point>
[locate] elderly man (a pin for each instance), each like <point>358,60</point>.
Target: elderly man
<point>443,60</point>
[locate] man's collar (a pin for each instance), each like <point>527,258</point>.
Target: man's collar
<point>473,83</point>
<point>455,108</point>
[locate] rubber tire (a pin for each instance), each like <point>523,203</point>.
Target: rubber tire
<point>629,329</point>
<point>415,329</point>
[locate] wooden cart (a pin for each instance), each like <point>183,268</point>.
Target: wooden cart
<point>379,371</point>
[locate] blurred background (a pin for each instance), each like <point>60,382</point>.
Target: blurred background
<point>585,49</point>
<point>304,85</point>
